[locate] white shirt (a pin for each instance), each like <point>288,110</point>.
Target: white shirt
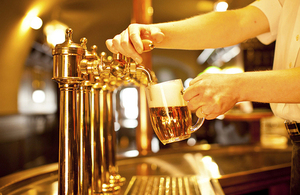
<point>284,21</point>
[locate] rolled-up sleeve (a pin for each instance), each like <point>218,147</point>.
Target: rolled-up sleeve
<point>272,10</point>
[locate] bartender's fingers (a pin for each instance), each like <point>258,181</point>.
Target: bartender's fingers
<point>134,31</point>
<point>110,46</point>
<point>156,35</point>
<point>200,113</point>
<point>195,80</point>
<point>126,45</point>
<point>139,32</point>
<point>116,42</point>
<point>193,91</point>
<point>203,112</point>
<point>121,44</point>
<point>195,103</point>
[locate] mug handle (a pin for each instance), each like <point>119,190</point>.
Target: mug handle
<point>196,126</point>
<point>199,122</point>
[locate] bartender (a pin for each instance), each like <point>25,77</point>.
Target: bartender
<point>211,95</point>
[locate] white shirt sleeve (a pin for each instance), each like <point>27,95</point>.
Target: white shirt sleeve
<point>272,10</point>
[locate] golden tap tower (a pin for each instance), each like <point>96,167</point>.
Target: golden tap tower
<point>87,148</point>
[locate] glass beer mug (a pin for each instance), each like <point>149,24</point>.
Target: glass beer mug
<point>170,117</point>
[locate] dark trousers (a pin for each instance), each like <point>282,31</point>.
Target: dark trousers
<point>295,175</point>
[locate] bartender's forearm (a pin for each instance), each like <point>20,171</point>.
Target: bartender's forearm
<point>215,29</point>
<point>277,86</point>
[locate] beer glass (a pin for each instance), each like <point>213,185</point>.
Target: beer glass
<point>170,117</point>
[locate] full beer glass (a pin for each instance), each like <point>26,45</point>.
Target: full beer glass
<point>170,117</point>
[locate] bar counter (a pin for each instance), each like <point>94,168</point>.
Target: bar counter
<point>243,168</point>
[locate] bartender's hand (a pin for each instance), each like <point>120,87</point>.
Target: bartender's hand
<point>211,95</point>
<point>129,42</point>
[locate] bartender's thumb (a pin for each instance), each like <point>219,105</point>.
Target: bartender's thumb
<point>157,36</point>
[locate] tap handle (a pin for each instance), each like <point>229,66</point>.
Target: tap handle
<point>94,49</point>
<point>69,34</point>
<point>103,56</point>
<point>83,42</point>
<point>148,45</point>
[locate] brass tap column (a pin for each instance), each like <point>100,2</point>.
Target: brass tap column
<point>86,122</point>
<point>87,148</point>
<point>86,138</point>
<point>107,179</point>
<point>102,121</point>
<point>66,57</point>
<point>103,135</point>
<point>115,177</point>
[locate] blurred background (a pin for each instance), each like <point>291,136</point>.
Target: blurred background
<point>29,98</point>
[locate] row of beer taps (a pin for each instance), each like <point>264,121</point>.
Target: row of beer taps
<point>87,139</point>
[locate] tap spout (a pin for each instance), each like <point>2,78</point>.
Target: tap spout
<point>148,74</point>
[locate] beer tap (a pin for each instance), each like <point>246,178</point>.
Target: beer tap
<point>105,175</point>
<point>103,133</point>
<point>87,148</point>
<point>66,58</point>
<point>86,119</point>
<point>130,71</point>
<point>110,83</point>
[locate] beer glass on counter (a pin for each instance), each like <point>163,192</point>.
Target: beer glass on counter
<point>170,117</point>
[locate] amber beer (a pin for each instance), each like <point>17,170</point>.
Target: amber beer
<point>169,123</point>
<point>170,117</point>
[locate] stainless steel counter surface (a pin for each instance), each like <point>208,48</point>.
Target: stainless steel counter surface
<point>236,161</point>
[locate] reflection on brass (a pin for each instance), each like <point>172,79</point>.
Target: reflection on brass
<point>87,156</point>
<point>148,45</point>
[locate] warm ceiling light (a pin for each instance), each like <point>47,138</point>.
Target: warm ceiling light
<point>38,96</point>
<point>36,23</point>
<point>27,21</point>
<point>57,36</point>
<point>55,32</point>
<point>221,6</point>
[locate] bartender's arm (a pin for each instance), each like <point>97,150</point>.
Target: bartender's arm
<point>211,95</point>
<point>212,30</point>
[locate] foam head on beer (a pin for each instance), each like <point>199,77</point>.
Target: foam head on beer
<point>169,114</point>
<point>166,94</point>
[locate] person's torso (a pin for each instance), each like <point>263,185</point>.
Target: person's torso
<point>287,53</point>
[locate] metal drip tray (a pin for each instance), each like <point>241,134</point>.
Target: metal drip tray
<point>172,185</point>
<point>47,184</point>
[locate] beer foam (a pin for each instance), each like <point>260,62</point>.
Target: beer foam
<point>165,94</point>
